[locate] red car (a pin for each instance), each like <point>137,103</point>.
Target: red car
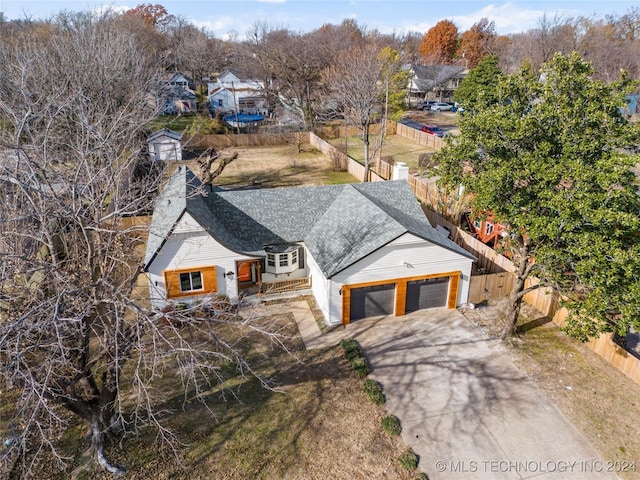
<point>433,130</point>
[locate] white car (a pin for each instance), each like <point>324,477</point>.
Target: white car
<point>441,107</point>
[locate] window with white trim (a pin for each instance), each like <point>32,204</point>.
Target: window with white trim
<point>488,228</point>
<point>283,258</point>
<point>190,281</point>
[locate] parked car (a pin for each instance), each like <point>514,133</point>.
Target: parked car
<point>411,123</point>
<point>427,104</point>
<point>433,130</point>
<point>441,107</point>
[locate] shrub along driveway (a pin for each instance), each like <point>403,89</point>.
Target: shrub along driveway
<point>465,408</point>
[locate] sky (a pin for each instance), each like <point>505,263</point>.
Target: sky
<point>229,18</point>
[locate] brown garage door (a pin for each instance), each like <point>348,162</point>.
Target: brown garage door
<point>372,301</point>
<point>427,293</point>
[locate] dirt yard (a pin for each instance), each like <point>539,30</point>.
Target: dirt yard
<point>280,167</point>
<point>598,399</point>
<point>446,120</point>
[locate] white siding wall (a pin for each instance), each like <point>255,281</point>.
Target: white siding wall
<point>190,246</point>
<point>166,150</point>
<point>227,100</point>
<point>407,256</point>
<point>320,288</point>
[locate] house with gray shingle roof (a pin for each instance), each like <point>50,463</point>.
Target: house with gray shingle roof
<point>435,81</point>
<point>362,249</point>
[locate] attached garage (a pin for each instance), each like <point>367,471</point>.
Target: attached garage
<point>403,295</point>
<point>372,301</point>
<point>427,293</point>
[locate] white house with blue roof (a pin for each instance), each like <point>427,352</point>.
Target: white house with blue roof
<point>363,249</point>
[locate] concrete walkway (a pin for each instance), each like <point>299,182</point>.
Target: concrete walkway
<point>465,408</point>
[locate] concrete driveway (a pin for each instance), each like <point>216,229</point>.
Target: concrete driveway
<point>465,408</point>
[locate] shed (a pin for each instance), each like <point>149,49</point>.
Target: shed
<point>164,145</point>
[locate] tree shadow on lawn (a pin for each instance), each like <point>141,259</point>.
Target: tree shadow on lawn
<point>530,324</point>
<point>256,432</point>
<point>268,178</point>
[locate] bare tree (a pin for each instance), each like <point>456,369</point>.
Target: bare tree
<point>73,335</point>
<point>290,64</point>
<point>194,50</point>
<point>355,82</point>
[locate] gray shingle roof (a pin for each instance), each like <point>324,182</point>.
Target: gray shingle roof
<point>339,224</point>
<point>164,132</point>
<point>426,77</point>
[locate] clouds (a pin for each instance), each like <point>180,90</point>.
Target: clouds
<point>508,17</point>
<point>387,16</point>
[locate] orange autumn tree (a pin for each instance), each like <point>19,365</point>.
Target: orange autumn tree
<point>153,15</point>
<point>440,43</point>
<point>475,42</point>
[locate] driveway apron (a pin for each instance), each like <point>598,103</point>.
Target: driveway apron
<point>465,408</point>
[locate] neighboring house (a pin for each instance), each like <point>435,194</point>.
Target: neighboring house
<point>434,81</point>
<point>179,79</point>
<point>164,145</point>
<point>487,230</point>
<point>363,249</point>
<point>177,95</point>
<point>235,92</point>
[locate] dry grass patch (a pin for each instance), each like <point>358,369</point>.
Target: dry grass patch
<point>281,166</point>
<point>315,423</point>
<point>402,149</point>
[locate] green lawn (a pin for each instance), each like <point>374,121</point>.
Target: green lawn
<point>402,149</point>
<point>177,123</point>
<point>339,178</point>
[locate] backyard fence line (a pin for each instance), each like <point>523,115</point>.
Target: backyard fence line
<point>492,286</point>
<point>243,140</point>
<point>497,285</point>
<point>489,261</point>
<point>421,138</point>
<point>354,168</point>
<point>341,131</point>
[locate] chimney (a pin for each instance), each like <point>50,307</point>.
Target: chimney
<point>400,171</point>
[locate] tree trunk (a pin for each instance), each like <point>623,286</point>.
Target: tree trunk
<point>97,444</point>
<point>512,310</point>
<point>517,293</point>
<point>365,139</point>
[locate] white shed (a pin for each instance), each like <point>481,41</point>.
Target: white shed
<point>164,145</point>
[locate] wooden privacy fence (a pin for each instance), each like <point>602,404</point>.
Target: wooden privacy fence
<point>497,285</point>
<point>493,286</point>
<point>488,260</point>
<point>354,168</point>
<point>425,190</point>
<point>421,138</point>
<point>341,130</point>
<point>243,140</point>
